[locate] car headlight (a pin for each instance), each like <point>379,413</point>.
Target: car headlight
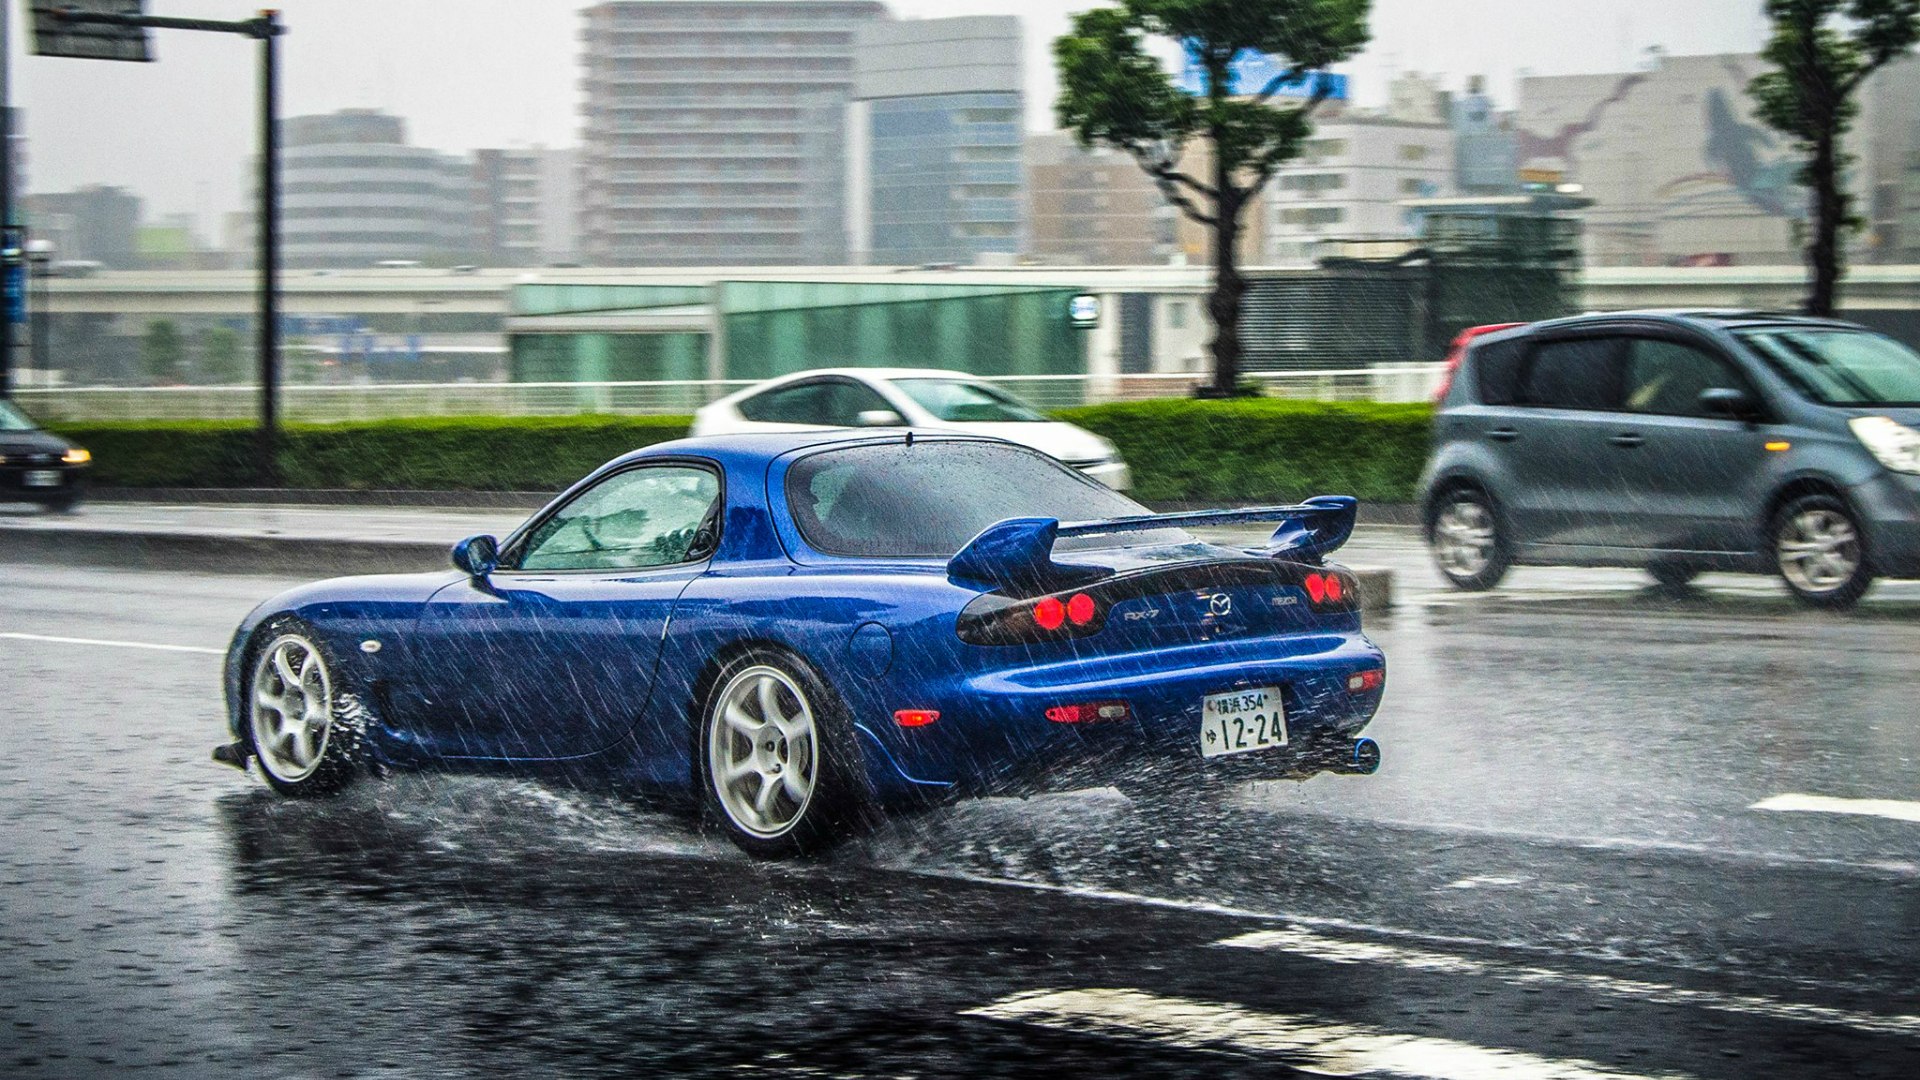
<point>1894,443</point>
<point>76,456</point>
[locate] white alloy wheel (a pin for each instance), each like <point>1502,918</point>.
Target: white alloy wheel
<point>1464,538</point>
<point>1819,551</point>
<point>763,751</point>
<point>292,708</point>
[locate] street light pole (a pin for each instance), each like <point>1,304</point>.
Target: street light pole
<point>6,183</point>
<point>265,28</point>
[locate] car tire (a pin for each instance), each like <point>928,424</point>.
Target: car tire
<point>307,736</point>
<point>778,767</point>
<point>63,505</point>
<point>1467,542</point>
<point>1672,578</point>
<point>1820,552</point>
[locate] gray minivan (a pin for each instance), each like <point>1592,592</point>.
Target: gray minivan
<point>1681,442</point>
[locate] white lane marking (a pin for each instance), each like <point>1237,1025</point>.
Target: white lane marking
<point>1823,804</point>
<point>113,644</point>
<point>1305,1043</point>
<point>1339,951</point>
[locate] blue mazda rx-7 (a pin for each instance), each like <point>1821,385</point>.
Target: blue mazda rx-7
<point>796,627</point>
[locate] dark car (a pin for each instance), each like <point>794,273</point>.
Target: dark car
<point>38,466</point>
<point>1681,442</point>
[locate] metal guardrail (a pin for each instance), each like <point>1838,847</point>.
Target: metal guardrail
<point>333,404</point>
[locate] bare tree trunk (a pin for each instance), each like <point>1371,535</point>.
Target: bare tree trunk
<point>1229,288</point>
<point>1829,208</point>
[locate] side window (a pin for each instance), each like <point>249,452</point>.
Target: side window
<point>631,520</point>
<point>1579,374</point>
<point>1665,378</point>
<point>804,403</point>
<point>847,400</point>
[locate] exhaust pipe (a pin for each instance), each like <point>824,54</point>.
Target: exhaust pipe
<point>1363,759</point>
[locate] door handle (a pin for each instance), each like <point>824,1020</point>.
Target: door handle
<point>1503,434</point>
<point>1628,440</point>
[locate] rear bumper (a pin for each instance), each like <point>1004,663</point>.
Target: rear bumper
<point>993,734</point>
<point>1115,474</point>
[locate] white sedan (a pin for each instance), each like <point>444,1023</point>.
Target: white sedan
<point>908,397</point>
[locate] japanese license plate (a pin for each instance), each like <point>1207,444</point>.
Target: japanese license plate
<point>42,478</point>
<point>1242,722</point>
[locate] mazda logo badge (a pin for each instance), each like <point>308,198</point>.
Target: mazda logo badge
<point>1220,604</point>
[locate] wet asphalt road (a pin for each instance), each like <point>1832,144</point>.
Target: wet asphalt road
<point>1558,873</point>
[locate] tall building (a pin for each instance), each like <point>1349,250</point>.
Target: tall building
<point>714,130</point>
<point>356,193</point>
<point>527,206</point>
<point>1486,150</point>
<point>1682,172</point>
<point>94,224</point>
<point>1094,207</point>
<point>1349,183</point>
<point>933,139</point>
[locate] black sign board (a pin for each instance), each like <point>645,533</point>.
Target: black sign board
<point>54,36</point>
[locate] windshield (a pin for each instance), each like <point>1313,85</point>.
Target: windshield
<point>1840,367</point>
<point>12,420</point>
<point>927,500</point>
<point>962,401</point>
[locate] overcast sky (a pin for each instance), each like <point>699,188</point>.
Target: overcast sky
<point>474,73</point>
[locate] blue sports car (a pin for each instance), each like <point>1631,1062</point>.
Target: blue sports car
<point>795,627</point>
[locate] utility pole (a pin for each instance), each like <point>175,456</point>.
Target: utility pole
<point>53,19</point>
<point>11,270</point>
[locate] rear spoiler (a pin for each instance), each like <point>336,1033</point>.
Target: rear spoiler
<point>1018,552</point>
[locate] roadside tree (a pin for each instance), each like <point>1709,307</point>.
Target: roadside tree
<point>1822,51</point>
<point>163,352</point>
<point>1116,92</point>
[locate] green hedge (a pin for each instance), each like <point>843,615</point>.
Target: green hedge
<point>1181,450</point>
<point>1259,450</point>
<point>440,454</point>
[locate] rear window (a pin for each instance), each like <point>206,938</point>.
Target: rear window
<point>1498,366</point>
<point>927,500</point>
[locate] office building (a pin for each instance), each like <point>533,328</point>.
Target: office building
<point>98,224</point>
<point>1094,206</point>
<point>1486,149</point>
<point>934,139</point>
<point>714,131</point>
<point>1350,181</point>
<point>1681,171</point>
<point>527,206</point>
<point>356,193</point>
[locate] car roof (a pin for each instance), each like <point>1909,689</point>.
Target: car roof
<point>1724,318</point>
<point>864,374</point>
<point>759,447</point>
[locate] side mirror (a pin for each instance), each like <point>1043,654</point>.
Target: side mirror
<point>880,418</point>
<point>477,556</point>
<point>1733,404</point>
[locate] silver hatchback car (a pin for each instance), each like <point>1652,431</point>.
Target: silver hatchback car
<point>1681,442</point>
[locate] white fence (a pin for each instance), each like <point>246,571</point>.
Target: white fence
<point>329,404</point>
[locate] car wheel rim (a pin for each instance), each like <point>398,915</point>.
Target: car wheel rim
<point>292,708</point>
<point>762,751</point>
<point>1819,551</point>
<point>1463,538</point>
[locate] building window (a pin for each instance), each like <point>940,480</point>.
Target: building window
<point>1322,149</point>
<point>1413,187</point>
<point>989,116</point>
<point>1414,152</point>
<point>1312,183</point>
<point>1313,215</point>
<point>1177,315</point>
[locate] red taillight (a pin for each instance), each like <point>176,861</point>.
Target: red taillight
<point>1050,613</point>
<point>1080,609</point>
<point>915,717</point>
<point>1328,589</point>
<point>1458,353</point>
<point>1090,713</point>
<point>1365,682</point>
